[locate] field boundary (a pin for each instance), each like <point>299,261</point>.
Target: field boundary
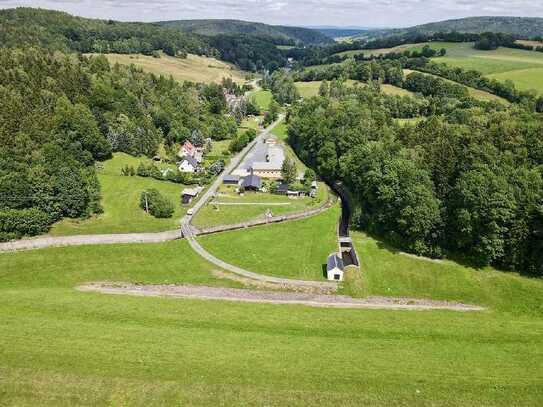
<point>274,297</point>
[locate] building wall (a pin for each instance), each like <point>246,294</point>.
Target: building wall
<point>331,273</point>
<point>273,174</point>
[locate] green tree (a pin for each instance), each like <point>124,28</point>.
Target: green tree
<point>289,172</point>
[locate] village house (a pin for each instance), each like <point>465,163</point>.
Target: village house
<point>187,150</point>
<point>335,267</point>
<point>272,164</point>
<point>189,165</point>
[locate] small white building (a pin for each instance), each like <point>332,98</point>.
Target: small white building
<point>334,267</point>
<point>189,164</point>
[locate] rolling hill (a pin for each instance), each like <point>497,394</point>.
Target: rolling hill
<point>237,27</point>
<point>525,27</point>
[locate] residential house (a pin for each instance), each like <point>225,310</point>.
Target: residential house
<point>334,267</point>
<point>187,150</point>
<point>189,165</point>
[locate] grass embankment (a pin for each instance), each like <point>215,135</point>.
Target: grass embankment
<point>194,68</point>
<point>63,347</point>
<point>120,201</point>
<point>296,249</point>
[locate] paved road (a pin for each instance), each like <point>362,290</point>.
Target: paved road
<point>273,297</point>
<point>48,241</point>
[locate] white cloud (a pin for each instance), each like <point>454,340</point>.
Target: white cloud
<point>293,12</point>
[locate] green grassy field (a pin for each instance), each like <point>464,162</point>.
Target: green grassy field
<point>262,98</point>
<point>63,347</point>
<point>280,131</point>
<point>524,68</point>
<point>239,208</point>
<point>120,201</point>
<point>295,249</point>
<point>194,68</point>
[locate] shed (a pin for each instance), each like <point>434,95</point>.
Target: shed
<point>335,267</point>
<point>230,179</point>
<point>282,189</point>
<point>189,194</point>
<point>252,183</point>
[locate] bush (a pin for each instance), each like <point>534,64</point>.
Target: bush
<point>156,204</point>
<point>15,223</point>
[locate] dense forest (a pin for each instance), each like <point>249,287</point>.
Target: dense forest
<point>465,181</point>
<point>272,33</point>
<point>60,113</point>
<point>60,31</point>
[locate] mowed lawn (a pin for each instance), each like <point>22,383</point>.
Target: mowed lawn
<point>120,201</point>
<point>194,68</point>
<point>296,249</point>
<point>231,208</point>
<point>63,347</point>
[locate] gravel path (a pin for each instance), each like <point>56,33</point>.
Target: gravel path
<point>274,297</point>
<point>47,241</point>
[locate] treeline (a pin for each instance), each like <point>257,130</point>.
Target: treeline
<point>56,30</point>
<point>249,53</point>
<point>467,181</point>
<point>58,114</point>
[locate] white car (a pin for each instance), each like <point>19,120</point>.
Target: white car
<point>190,212</point>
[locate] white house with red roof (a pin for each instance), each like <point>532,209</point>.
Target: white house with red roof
<point>187,150</point>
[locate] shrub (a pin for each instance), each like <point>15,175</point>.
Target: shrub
<point>15,223</point>
<point>156,204</point>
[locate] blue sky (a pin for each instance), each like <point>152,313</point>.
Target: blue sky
<point>372,13</point>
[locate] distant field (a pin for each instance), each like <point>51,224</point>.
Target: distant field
<point>120,200</point>
<point>524,68</point>
<point>285,47</point>
<point>295,249</point>
<point>310,89</point>
<point>475,93</point>
<point>194,68</point>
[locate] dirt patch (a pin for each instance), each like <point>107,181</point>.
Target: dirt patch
<point>273,297</point>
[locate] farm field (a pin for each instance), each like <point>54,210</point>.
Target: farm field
<point>230,208</point>
<point>89,348</point>
<point>296,249</point>
<point>524,68</point>
<point>194,68</point>
<point>120,202</point>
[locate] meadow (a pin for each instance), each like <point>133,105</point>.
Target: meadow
<point>262,98</point>
<point>120,202</point>
<point>523,68</point>
<point>194,68</point>
<point>63,347</point>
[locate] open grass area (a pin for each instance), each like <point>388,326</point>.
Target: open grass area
<point>262,98</point>
<point>63,347</point>
<point>120,201</point>
<point>194,68</point>
<point>387,272</point>
<point>230,208</point>
<point>310,89</point>
<point>280,131</point>
<point>295,249</point>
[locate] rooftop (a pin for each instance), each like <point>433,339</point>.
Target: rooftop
<point>334,261</point>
